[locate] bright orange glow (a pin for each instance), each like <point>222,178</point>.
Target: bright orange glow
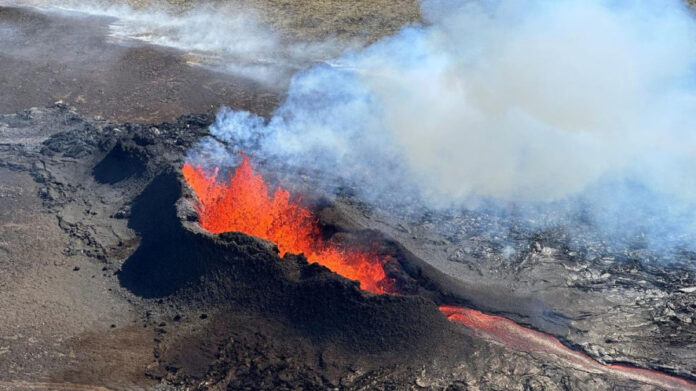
<point>244,204</point>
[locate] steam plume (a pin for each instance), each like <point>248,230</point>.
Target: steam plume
<point>585,103</point>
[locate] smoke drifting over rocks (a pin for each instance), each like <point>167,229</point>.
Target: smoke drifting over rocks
<point>231,38</point>
<point>568,110</point>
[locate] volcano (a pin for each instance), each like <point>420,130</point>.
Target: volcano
<point>298,240</point>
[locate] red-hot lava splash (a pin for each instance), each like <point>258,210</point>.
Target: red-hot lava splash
<point>244,204</point>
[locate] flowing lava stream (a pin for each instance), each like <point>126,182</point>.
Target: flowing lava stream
<point>243,203</point>
<point>511,334</point>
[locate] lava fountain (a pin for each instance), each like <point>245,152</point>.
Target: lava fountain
<point>243,203</point>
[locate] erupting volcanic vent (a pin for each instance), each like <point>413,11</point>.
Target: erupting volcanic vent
<point>244,204</point>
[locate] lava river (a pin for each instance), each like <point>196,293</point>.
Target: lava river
<point>243,203</point>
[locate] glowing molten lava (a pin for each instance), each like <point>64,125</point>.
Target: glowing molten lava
<point>244,204</point>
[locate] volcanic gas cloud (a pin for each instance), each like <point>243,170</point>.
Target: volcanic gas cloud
<point>244,204</point>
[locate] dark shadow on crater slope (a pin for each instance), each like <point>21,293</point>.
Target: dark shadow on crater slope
<point>122,162</point>
<point>165,260</point>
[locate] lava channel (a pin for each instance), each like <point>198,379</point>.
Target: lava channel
<point>244,204</point>
<point>510,334</point>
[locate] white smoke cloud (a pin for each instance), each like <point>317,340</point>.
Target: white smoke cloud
<point>534,101</point>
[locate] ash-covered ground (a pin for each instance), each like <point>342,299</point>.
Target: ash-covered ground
<point>107,281</point>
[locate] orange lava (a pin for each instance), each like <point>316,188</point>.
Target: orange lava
<point>244,204</point>
<point>510,334</point>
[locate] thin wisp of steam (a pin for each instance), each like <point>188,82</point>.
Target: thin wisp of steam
<point>231,38</point>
